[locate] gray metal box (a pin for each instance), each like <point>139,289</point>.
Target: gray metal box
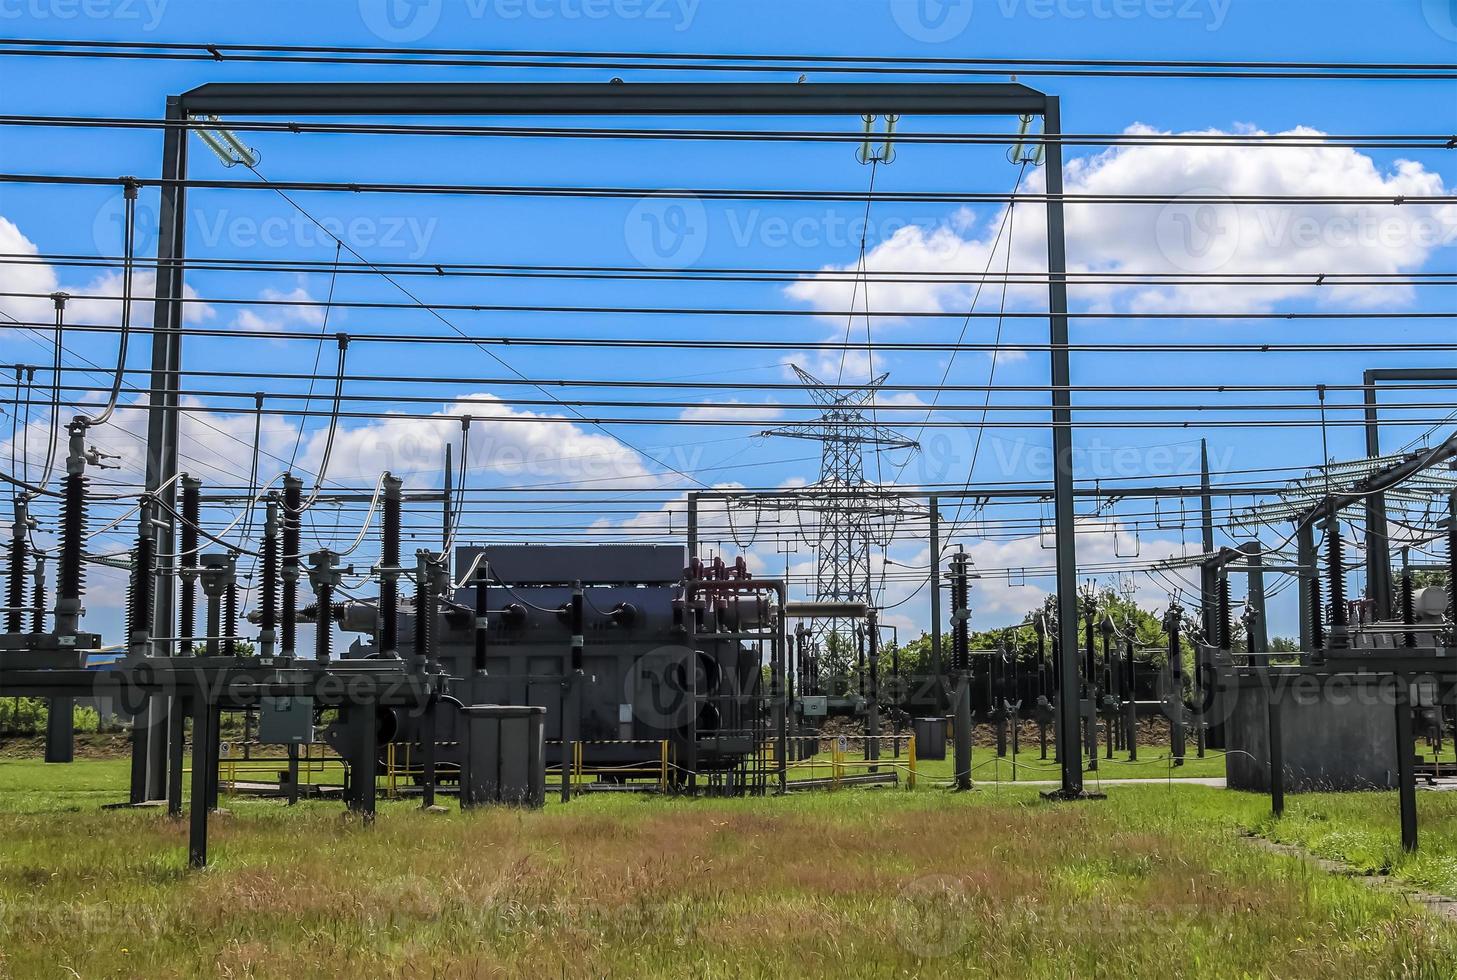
<point>930,737</point>
<point>505,758</point>
<point>814,705</point>
<point>286,721</point>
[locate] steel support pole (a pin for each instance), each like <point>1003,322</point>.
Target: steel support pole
<point>203,760</point>
<point>176,756</point>
<point>692,525</point>
<point>1406,779</point>
<point>1378,545</point>
<point>151,725</point>
<point>1276,727</point>
<point>961,731</point>
<point>1068,700</point>
<point>1207,578</point>
<point>938,671</point>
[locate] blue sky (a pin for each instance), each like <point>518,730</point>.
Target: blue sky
<point>395,228</point>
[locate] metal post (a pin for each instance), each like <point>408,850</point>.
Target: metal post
<point>692,525</point>
<point>781,637</point>
<point>1069,758</point>
<point>1378,544</point>
<point>1276,726</point>
<point>1173,624</point>
<point>1406,780</point>
<point>445,515</point>
<point>571,702</point>
<point>938,670</point>
<point>203,759</point>
<point>961,667</point>
<point>961,746</point>
<point>366,761</point>
<point>292,774</point>
<point>1130,706</point>
<point>162,416</point>
<point>176,750</point>
<point>872,630</point>
<point>1207,585</point>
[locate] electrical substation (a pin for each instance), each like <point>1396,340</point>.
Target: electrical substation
<point>377,634</point>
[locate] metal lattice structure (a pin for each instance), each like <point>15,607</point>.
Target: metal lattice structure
<point>849,507</point>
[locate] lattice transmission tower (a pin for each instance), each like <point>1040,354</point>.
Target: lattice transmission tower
<point>852,513</point>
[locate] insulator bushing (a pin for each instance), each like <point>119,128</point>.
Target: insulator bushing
<point>19,568</point>
<point>1452,556</point>
<point>1337,572</point>
<point>72,575</point>
<point>141,585</point>
<point>288,624</point>
<point>38,597</point>
<point>268,591</point>
<point>324,620</point>
<point>960,624</point>
<point>1408,608</point>
<point>1226,627</point>
<point>424,625</point>
<point>230,618</point>
<point>1317,630</point>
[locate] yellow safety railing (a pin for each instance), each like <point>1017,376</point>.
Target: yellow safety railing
<point>839,765</point>
<point>310,764</point>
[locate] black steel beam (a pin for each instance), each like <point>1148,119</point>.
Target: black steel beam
<point>1068,693</point>
<point>612,98</point>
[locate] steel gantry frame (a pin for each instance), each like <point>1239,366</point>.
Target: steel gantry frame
<point>612,99</point>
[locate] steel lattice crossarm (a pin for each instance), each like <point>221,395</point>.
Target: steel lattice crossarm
<point>1418,486</point>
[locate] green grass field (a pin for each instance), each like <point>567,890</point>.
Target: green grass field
<point>1153,881</point>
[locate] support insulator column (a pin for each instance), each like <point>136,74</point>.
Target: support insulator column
<point>1226,627</point>
<point>1317,607</point>
<point>424,610</point>
<point>139,633</point>
<point>268,590</point>
<point>1452,555</point>
<point>961,664</point>
<point>72,575</point>
<point>1408,601</point>
<point>19,565</point>
<point>1336,570</point>
<point>289,568</point>
<point>217,573</point>
<point>230,617</point>
<point>1174,625</point>
<point>38,596</point>
<point>324,576</point>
